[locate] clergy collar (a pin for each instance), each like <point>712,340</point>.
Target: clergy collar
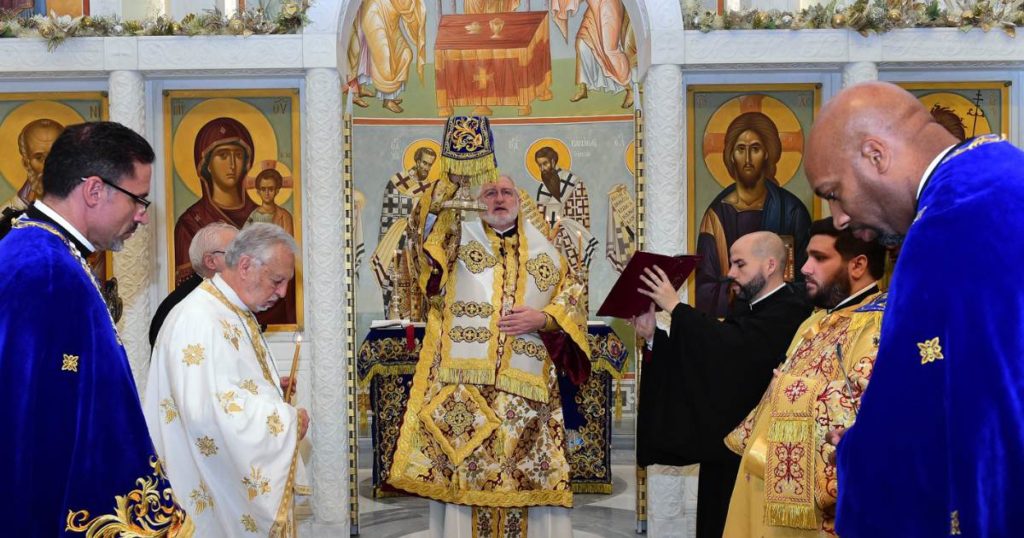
<point>767,295</point>
<point>66,226</point>
<point>931,168</point>
<point>856,297</point>
<point>228,292</point>
<point>507,233</point>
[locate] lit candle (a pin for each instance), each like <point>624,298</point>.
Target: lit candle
<point>290,391</point>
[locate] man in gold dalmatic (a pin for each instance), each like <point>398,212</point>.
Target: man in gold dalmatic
<point>786,485</point>
<point>483,432</point>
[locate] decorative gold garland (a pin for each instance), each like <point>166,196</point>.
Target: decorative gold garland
<point>56,29</point>
<point>865,17</point>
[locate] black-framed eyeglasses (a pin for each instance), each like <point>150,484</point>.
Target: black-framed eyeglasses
<point>138,199</point>
<point>212,252</point>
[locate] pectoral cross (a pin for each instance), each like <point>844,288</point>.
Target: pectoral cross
<point>482,78</point>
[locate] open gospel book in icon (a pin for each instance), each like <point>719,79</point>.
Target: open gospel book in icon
<point>624,301</point>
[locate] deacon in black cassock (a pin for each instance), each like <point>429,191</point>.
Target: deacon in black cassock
<point>704,375</point>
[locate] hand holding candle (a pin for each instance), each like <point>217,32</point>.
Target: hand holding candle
<point>289,390</point>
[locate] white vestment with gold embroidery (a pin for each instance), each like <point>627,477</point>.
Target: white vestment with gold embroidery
<point>218,419</point>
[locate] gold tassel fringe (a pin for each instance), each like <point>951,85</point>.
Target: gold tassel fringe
<point>590,487</point>
<point>789,431</point>
<point>790,515</point>
<point>526,390</point>
<point>480,170</point>
<point>386,370</point>
<point>469,376</point>
<point>618,401</point>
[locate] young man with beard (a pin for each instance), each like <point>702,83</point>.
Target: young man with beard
<point>939,439</point>
<point>816,390</point>
<point>704,374</point>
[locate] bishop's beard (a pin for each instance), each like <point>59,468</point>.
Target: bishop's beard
<point>501,222</point>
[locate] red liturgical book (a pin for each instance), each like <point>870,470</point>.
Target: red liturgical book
<point>624,301</point>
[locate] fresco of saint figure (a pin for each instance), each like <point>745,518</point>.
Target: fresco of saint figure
<point>392,259</point>
<point>34,143</point>
<point>605,47</point>
<point>380,53</point>
<point>948,118</point>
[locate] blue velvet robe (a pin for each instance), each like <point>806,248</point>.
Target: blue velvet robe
<point>938,446</point>
<point>75,441</point>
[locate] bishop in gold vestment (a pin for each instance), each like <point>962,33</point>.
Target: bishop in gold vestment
<point>484,422</point>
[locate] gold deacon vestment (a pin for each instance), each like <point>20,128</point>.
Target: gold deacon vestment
<point>786,486</point>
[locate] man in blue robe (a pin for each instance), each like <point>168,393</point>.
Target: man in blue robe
<point>77,458</point>
<point>938,445</point>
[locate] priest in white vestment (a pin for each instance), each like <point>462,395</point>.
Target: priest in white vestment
<point>214,404</point>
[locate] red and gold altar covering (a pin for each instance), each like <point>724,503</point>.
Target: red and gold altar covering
<point>492,59</point>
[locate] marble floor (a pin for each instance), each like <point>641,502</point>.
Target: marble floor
<point>605,516</point>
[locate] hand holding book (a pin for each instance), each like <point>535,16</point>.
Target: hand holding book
<point>657,275</point>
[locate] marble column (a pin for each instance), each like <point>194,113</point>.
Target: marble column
<point>323,220</point>
<point>857,72</point>
<point>665,151</point>
<point>671,491</point>
<point>133,265</point>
